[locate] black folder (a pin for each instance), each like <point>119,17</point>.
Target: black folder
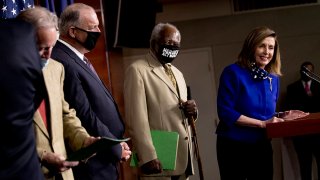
<point>98,146</point>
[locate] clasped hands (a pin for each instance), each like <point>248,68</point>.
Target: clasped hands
<point>126,152</point>
<point>125,149</point>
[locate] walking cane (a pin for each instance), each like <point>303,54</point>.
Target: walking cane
<point>195,140</point>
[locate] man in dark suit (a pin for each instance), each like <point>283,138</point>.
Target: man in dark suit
<point>86,93</point>
<point>20,79</point>
<point>304,95</point>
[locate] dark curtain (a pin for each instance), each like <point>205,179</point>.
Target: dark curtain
<point>129,23</point>
<point>56,6</point>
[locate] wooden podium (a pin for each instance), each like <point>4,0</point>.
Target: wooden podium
<point>302,126</point>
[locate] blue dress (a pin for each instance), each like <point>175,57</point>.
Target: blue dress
<point>240,94</point>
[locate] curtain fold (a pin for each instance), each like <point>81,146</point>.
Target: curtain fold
<point>56,6</point>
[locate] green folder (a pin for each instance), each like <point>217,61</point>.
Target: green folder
<point>98,146</point>
<point>166,144</point>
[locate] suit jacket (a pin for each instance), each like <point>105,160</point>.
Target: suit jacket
<point>297,98</point>
<point>97,110</point>
<point>152,103</point>
<point>63,125</point>
<point>20,79</point>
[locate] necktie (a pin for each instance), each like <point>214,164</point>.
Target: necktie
<point>88,63</point>
<point>307,88</point>
<point>42,109</point>
<point>170,74</point>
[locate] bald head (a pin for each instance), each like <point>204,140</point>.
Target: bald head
<point>73,16</point>
<point>46,25</point>
<point>39,17</point>
<point>79,27</point>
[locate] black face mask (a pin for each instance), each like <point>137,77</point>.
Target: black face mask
<point>92,38</point>
<point>167,53</point>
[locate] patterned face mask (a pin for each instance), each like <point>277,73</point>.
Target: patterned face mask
<point>258,73</point>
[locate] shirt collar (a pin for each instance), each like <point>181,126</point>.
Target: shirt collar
<point>308,82</point>
<point>80,55</point>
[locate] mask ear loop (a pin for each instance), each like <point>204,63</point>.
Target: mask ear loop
<point>71,34</point>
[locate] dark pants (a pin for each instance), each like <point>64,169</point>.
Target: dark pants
<point>244,161</point>
<point>307,147</point>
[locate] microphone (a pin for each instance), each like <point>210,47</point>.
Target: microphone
<point>310,74</point>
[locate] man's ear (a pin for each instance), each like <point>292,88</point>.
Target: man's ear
<point>71,32</point>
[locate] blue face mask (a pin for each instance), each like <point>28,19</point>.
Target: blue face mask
<point>44,62</point>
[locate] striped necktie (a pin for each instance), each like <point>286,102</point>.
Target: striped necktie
<point>88,63</point>
<point>307,89</point>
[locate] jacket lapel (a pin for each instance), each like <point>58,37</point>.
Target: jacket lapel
<point>39,122</point>
<point>180,83</point>
<point>49,77</point>
<point>86,68</point>
<point>37,117</point>
<point>78,61</point>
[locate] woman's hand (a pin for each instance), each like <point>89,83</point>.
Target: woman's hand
<point>271,120</point>
<point>293,114</point>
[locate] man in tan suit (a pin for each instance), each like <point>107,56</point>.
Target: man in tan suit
<point>58,124</point>
<point>157,100</point>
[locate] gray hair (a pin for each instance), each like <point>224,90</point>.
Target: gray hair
<point>39,17</point>
<point>156,34</point>
<point>71,17</point>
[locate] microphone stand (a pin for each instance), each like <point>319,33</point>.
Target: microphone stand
<point>310,74</point>
<point>195,140</point>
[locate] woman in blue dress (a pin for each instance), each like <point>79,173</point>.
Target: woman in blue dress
<point>247,97</point>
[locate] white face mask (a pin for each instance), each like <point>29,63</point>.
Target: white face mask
<point>44,62</point>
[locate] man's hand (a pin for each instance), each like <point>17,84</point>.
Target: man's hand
<point>126,153</point>
<point>190,108</point>
<point>152,167</point>
<point>56,163</point>
<point>88,141</point>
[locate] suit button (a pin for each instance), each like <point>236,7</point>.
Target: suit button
<point>186,138</point>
